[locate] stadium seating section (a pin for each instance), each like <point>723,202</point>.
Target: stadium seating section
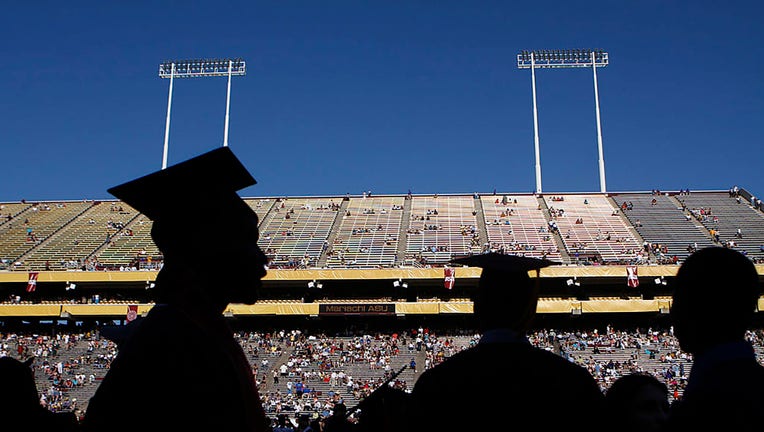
<point>399,230</point>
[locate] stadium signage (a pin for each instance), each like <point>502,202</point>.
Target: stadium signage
<point>357,309</point>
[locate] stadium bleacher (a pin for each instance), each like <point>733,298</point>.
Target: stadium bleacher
<point>382,234</point>
<point>367,236</point>
<point>393,231</point>
<point>294,231</point>
<point>725,214</point>
<point>590,226</point>
<point>660,220</point>
<point>440,228</point>
<point>517,225</point>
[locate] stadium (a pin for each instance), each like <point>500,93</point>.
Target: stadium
<point>344,269</point>
<point>435,108</point>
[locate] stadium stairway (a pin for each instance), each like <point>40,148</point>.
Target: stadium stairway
<point>564,255</point>
<point>403,232</point>
<point>482,229</point>
<point>333,232</point>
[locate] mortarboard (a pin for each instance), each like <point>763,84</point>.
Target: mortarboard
<point>505,296</point>
<point>213,177</point>
<point>500,270</point>
<point>173,196</point>
<point>500,263</point>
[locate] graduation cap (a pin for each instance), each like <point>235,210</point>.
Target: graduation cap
<point>509,265</point>
<point>172,197</point>
<point>215,175</point>
<point>506,296</point>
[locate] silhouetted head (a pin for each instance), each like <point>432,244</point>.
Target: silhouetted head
<point>201,225</point>
<point>638,402</point>
<point>715,296</point>
<point>339,410</point>
<point>506,296</point>
<point>18,392</point>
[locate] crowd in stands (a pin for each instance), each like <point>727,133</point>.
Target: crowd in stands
<point>301,373</point>
<point>581,251</point>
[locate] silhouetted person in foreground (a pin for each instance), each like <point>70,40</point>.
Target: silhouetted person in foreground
<point>637,402</point>
<point>714,303</point>
<point>382,410</point>
<point>20,408</point>
<point>180,367</point>
<point>338,421</point>
<point>504,377</point>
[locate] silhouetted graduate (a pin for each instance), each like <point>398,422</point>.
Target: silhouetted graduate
<point>715,298</point>
<point>503,382</point>
<point>181,368</point>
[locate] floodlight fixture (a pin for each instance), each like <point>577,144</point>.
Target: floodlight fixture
<point>314,284</point>
<point>70,286</point>
<point>400,283</point>
<point>556,59</point>
<point>572,282</point>
<point>201,68</point>
<point>660,281</point>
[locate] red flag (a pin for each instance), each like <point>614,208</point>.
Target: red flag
<point>32,284</point>
<point>449,280</point>
<point>631,276</point>
<point>132,313</point>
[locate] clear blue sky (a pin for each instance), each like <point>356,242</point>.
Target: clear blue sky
<point>346,96</point>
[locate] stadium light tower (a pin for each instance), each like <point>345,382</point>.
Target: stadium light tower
<point>198,69</point>
<point>555,59</point>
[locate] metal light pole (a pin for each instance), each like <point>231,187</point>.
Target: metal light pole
<point>228,103</point>
<point>167,122</point>
<point>601,160</point>
<point>536,126</point>
<point>555,59</point>
<point>199,69</point>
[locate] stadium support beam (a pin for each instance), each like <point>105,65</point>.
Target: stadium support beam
<point>556,59</point>
<point>200,69</point>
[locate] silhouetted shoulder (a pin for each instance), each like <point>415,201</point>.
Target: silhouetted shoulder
<point>510,380</point>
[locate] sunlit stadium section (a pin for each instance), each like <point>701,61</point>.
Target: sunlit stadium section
<point>388,231</point>
<point>592,228</point>
<point>126,249</point>
<point>96,227</point>
<point>442,227</point>
<point>368,233</point>
<point>663,222</point>
<point>11,209</point>
<point>33,226</point>
<point>261,206</point>
<point>726,216</point>
<point>516,224</point>
<point>294,230</point>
